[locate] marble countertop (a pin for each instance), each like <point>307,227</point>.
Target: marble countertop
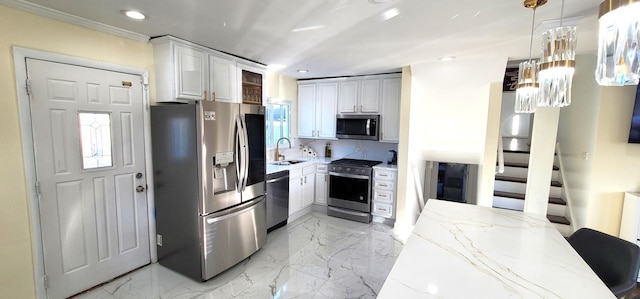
<point>466,251</point>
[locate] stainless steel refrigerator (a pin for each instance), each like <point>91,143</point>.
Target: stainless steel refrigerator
<point>209,177</point>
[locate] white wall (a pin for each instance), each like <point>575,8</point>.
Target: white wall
<point>445,119</point>
<point>577,134</point>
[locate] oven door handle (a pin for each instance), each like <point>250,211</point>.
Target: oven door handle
<point>346,175</point>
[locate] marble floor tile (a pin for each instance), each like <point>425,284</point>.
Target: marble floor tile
<point>316,256</point>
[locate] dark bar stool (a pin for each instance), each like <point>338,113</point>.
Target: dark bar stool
<point>614,260</point>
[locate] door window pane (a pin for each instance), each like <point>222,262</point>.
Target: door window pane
<point>95,139</point>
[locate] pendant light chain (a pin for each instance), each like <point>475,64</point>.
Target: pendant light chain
<point>561,13</point>
<point>533,22</point>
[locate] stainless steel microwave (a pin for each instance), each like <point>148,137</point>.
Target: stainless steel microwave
<point>358,126</point>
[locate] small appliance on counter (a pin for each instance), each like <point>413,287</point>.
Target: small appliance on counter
<point>392,157</point>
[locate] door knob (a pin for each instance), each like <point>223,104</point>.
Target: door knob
<point>139,175</point>
<point>139,189</point>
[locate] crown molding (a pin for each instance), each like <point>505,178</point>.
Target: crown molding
<point>71,19</point>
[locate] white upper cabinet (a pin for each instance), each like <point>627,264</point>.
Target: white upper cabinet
<point>223,79</point>
<point>317,106</point>
<point>326,110</point>
<point>348,96</point>
<point>189,72</point>
<point>390,117</point>
<point>359,96</point>
<point>370,96</point>
<point>181,72</point>
<point>306,110</point>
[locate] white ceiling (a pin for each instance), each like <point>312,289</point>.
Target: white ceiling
<point>351,36</point>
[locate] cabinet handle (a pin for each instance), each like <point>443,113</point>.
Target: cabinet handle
<point>354,108</point>
<point>205,94</point>
<point>300,181</point>
<point>305,180</point>
<point>213,96</point>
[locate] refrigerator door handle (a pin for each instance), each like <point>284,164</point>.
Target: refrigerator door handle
<point>240,145</point>
<point>245,154</point>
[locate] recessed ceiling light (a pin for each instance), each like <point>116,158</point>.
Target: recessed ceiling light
<point>447,58</point>
<point>134,14</point>
<point>303,71</point>
<point>275,66</point>
<point>391,13</point>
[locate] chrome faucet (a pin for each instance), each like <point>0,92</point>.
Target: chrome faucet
<point>278,155</point>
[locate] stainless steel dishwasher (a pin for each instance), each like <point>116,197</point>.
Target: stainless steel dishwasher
<point>277,199</point>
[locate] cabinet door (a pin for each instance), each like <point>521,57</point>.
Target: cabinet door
<point>308,190</point>
<point>326,109</point>
<point>306,110</point>
<point>347,101</point>
<point>370,96</point>
<point>390,116</point>
<point>223,79</point>
<point>251,89</point>
<point>321,188</point>
<point>190,71</point>
<point>295,195</point>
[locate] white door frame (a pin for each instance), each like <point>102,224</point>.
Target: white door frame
<point>26,132</point>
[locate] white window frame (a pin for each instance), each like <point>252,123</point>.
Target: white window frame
<point>271,144</point>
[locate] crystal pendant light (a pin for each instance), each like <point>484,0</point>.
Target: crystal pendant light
<point>527,89</point>
<point>618,62</point>
<point>557,65</point>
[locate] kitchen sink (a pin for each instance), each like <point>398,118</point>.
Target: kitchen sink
<point>288,162</point>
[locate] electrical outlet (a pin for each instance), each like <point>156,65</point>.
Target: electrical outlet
<point>585,155</point>
<point>159,239</point>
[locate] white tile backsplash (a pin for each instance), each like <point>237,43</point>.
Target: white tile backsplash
<point>353,149</point>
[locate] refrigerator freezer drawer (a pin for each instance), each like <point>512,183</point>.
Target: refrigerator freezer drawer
<point>230,238</point>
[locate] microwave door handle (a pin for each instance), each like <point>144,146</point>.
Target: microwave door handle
<point>245,155</point>
<point>368,127</point>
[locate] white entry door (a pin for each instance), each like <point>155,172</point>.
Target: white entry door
<point>89,150</point>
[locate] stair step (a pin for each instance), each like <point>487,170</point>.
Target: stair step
<point>524,165</point>
<point>522,180</point>
<point>552,218</point>
<point>553,200</point>
<point>516,151</point>
<point>558,219</point>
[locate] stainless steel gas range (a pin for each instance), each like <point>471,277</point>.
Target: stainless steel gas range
<point>350,189</point>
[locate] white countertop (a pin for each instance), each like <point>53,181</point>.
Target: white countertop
<point>386,166</point>
<point>466,251</point>
<point>272,168</point>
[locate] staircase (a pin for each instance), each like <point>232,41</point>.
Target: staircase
<point>510,187</point>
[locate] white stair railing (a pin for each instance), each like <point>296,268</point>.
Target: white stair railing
<point>500,153</point>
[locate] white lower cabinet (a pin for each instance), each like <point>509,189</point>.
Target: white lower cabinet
<point>384,191</point>
<point>301,188</point>
<point>322,183</point>
<point>309,185</point>
<point>295,190</point>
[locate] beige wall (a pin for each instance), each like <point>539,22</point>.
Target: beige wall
<point>22,29</point>
<point>616,163</point>
<point>597,123</point>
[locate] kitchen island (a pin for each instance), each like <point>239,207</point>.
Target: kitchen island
<point>466,251</point>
